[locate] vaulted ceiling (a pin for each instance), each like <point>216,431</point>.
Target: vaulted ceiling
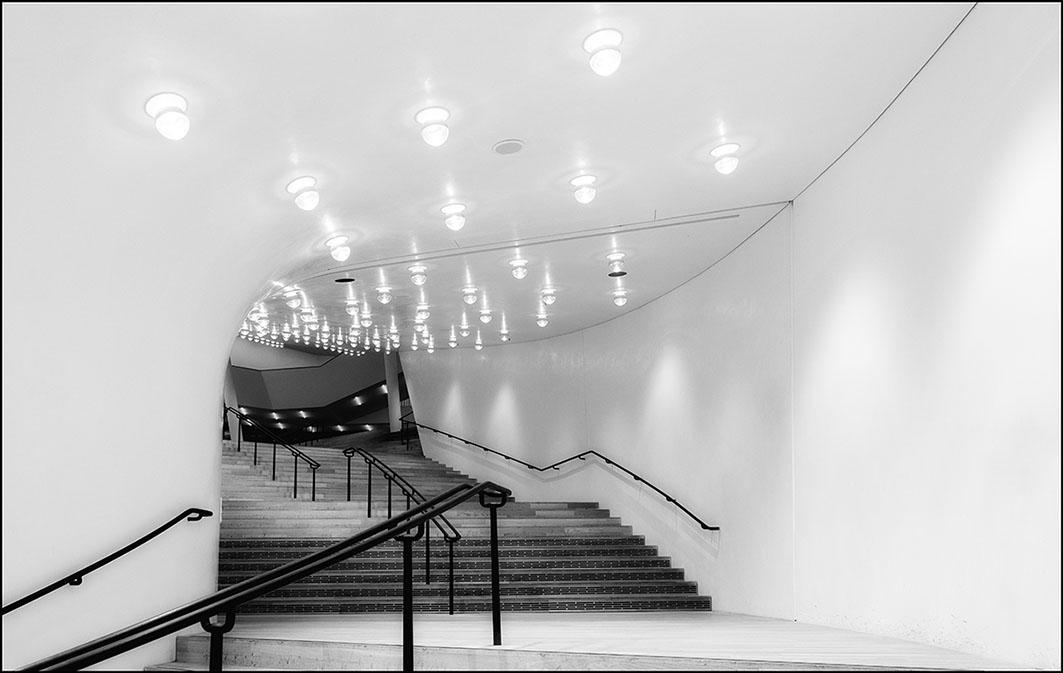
<point>332,90</point>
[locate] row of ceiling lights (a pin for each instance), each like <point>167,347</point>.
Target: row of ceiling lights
<point>258,320</point>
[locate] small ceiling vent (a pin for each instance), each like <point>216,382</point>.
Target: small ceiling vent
<point>510,146</point>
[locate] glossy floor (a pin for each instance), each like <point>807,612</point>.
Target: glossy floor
<point>697,635</point>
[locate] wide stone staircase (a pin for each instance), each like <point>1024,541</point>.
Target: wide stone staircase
<point>553,555</point>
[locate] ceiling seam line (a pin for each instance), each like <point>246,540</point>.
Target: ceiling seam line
<point>888,106</point>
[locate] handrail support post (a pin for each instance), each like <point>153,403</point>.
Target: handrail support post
<point>217,634</point>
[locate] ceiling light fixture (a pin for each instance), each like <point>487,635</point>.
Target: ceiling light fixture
<point>453,341</point>
<point>433,130</point>
<point>306,197</point>
<point>548,295</point>
<point>503,333</point>
<point>383,294</point>
<point>417,274</point>
<point>292,299</point>
<point>485,316</point>
<point>468,295</point>
<point>726,161</point>
<point>479,343</point>
<point>616,264</point>
<point>352,308</point>
<point>602,46</point>
<point>422,312</point>
<point>520,268</point>
<point>454,220</point>
<point>542,320</point>
<point>168,110</point>
<point>584,191</point>
<point>338,250</point>
<point>620,296</point>
<point>464,328</point>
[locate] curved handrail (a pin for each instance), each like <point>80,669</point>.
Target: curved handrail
<point>294,451</point>
<point>557,466</point>
<point>228,599</point>
<point>406,487</point>
<point>76,578</point>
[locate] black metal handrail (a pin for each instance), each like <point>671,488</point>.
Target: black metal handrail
<point>413,496</point>
<point>557,466</point>
<point>297,455</point>
<point>76,578</point>
<point>227,600</point>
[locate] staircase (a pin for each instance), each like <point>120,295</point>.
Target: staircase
<point>553,555</point>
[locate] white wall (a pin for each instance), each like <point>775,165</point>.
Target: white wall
<point>926,360</point>
<point>914,491</point>
<point>697,381</point>
<point>111,395</point>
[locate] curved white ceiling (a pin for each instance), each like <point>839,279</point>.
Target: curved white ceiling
<point>331,90</point>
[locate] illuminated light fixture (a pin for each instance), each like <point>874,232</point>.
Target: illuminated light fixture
<point>503,333</point>
<point>584,191</point>
<point>726,161</point>
<point>549,296</point>
<point>413,343</point>
<point>520,268</point>
<point>602,46</point>
<point>168,110</point>
<point>286,331</point>
<point>306,197</point>
<point>292,299</point>
<point>383,294</point>
<point>367,320</point>
<point>417,275</point>
<point>339,251</point>
<point>352,308</point>
<point>468,295</point>
<point>422,312</point>
<point>431,346</point>
<point>479,343</point>
<point>433,129</point>
<point>463,329</point>
<point>620,296</point>
<point>244,328</point>
<point>455,220</point>
<point>726,165</point>
<point>485,316</point>
<point>453,341</point>
<point>616,264</point>
<point>541,319</point>
<point>418,327</point>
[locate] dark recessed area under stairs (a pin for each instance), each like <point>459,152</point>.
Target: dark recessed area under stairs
<point>553,555</point>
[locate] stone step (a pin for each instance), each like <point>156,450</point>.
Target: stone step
<point>371,575</point>
<point>572,602</point>
<point>466,589</point>
<point>241,653</point>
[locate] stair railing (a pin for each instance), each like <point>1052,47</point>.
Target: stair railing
<point>297,455</point>
<point>413,496</point>
<point>557,466</point>
<point>407,527</point>
<point>76,578</point>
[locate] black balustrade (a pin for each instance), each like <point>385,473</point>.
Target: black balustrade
<point>297,455</point>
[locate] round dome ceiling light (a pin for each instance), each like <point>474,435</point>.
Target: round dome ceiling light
<point>584,191</point>
<point>455,220</point>
<point>602,46</point>
<point>433,129</point>
<point>306,197</point>
<point>726,161</point>
<point>383,294</point>
<point>508,146</point>
<point>548,295</point>
<point>418,275</point>
<point>520,268</point>
<point>620,296</point>
<point>338,250</point>
<point>468,295</point>
<point>616,264</point>
<point>169,112</point>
